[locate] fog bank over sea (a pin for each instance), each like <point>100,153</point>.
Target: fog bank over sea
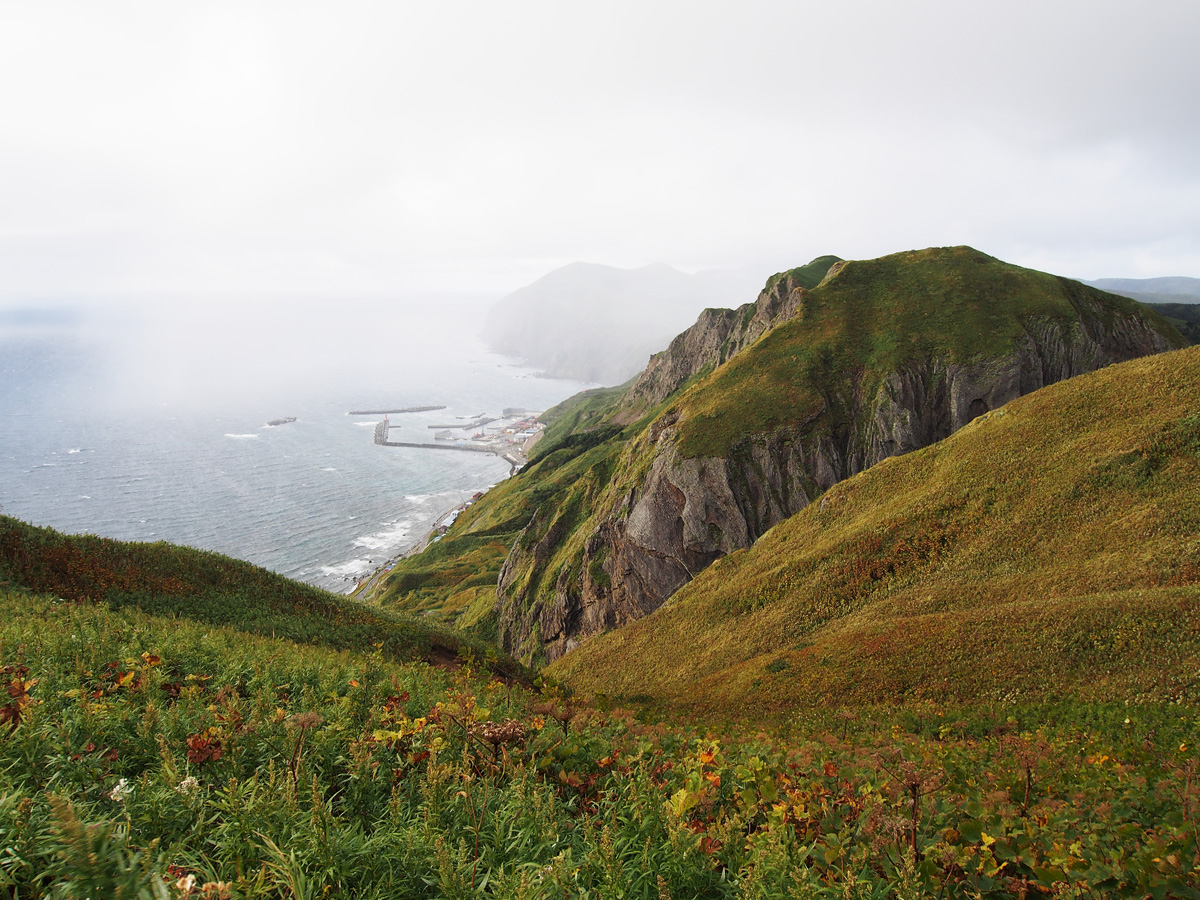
<point>146,420</point>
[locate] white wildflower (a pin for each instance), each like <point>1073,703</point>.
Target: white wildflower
<point>121,791</point>
<point>188,786</point>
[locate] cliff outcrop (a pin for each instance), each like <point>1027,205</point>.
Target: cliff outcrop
<point>719,334</point>
<point>774,403</point>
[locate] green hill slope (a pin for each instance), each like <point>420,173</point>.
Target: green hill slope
<point>165,579</point>
<point>454,580</point>
<point>747,418</point>
<point>1049,549</point>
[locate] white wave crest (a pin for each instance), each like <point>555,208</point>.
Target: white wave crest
<point>242,437</point>
<point>390,539</point>
<point>351,569</point>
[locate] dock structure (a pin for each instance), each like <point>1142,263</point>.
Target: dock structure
<point>470,448</point>
<point>511,443</point>
<point>381,431</point>
<point>507,452</point>
<point>467,426</point>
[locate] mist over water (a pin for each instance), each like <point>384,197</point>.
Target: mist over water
<point>147,420</point>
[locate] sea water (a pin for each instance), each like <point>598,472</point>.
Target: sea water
<point>145,425</point>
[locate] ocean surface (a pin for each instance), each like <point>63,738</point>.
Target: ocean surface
<point>148,422</point>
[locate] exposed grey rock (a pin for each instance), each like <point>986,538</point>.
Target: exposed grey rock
<point>717,335</point>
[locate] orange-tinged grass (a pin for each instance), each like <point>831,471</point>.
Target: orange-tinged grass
<point>1050,549</point>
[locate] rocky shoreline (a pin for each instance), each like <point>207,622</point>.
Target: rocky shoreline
<point>365,588</point>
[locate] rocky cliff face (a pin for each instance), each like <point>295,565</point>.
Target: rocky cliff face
<point>718,334</point>
<point>653,535</point>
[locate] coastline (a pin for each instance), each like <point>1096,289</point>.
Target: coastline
<point>365,588</point>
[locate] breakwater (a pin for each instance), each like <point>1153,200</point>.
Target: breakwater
<point>392,412</point>
<point>511,455</point>
<point>381,432</point>
<point>464,426</point>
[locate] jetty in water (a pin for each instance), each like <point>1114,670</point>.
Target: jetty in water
<point>513,448</point>
<point>392,412</point>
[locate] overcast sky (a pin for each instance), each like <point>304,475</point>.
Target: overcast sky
<point>473,146</point>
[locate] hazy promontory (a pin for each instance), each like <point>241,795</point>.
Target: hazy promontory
<point>600,323</point>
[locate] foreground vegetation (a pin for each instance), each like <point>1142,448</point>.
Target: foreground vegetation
<point>144,756</point>
<point>210,588</point>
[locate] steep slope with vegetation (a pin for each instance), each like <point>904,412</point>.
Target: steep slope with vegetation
<point>881,358</point>
<point>719,334</point>
<point>454,579</point>
<point>1050,549</point>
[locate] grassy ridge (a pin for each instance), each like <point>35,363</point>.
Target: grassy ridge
<point>867,319</point>
<point>864,321</point>
<point>168,580</point>
<point>1050,549</point>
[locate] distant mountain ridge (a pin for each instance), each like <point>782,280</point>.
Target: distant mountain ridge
<point>600,324</point>
<point>1170,288</point>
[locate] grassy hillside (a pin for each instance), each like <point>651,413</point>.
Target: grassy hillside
<point>1050,549</point>
<point>858,324</point>
<point>204,587</point>
<point>867,319</point>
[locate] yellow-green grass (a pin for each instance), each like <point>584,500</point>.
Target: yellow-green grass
<point>1051,549</point>
<point>140,753</point>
